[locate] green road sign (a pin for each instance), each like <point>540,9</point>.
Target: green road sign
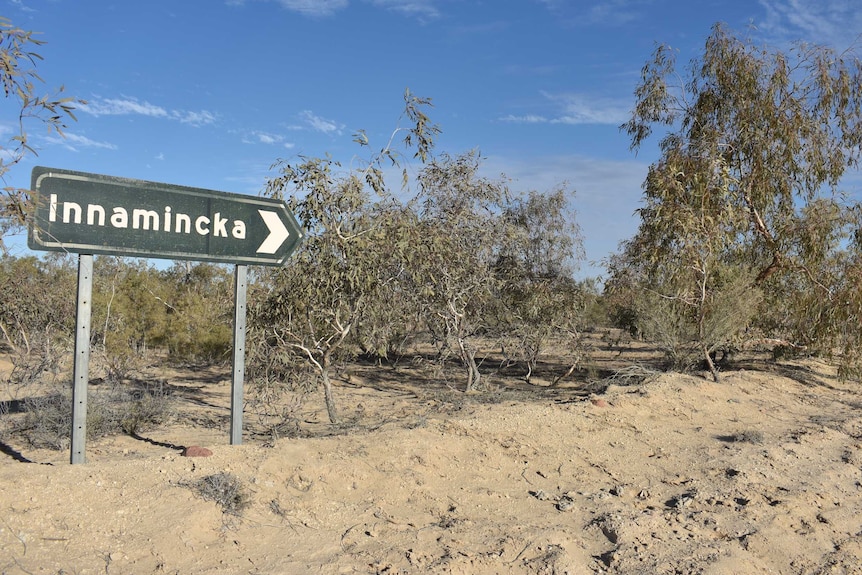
<point>95,214</point>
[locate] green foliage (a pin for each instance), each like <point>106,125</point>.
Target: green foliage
<point>199,326</point>
<point>758,141</point>
<point>129,316</point>
<point>374,272</point>
<point>187,310</point>
<point>36,313</point>
<point>20,81</point>
<point>420,136</point>
<point>317,300</point>
<point>539,302</point>
<point>342,271</point>
<point>686,330</point>
<point>461,231</point>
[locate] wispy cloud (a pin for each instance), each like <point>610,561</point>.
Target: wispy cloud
<point>21,6</point>
<point>194,118</point>
<point>319,124</point>
<point>118,107</point>
<point>526,119</point>
<point>833,22</point>
<point>267,138</point>
<point>314,7</point>
<point>614,12</point>
<point>75,142</point>
<point>421,9</point>
<point>574,108</point>
<point>601,12</point>
<point>133,106</point>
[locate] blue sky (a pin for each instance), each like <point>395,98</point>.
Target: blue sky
<point>209,93</point>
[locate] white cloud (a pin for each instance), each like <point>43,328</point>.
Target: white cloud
<point>319,124</point>
<point>600,12</point>
<point>528,119</point>
<point>87,142</point>
<point>117,107</point>
<point>832,22</point>
<point>314,7</point>
<point>614,13</point>
<point>582,109</point>
<point>74,142</point>
<point>575,108</point>
<point>132,106</point>
<point>21,6</point>
<point>421,8</point>
<point>194,118</point>
<point>265,138</point>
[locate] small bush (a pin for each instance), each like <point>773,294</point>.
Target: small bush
<point>146,407</point>
<point>749,436</point>
<point>226,490</point>
<point>118,408</point>
<point>683,326</point>
<point>47,421</point>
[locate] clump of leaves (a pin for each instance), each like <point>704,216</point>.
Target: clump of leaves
<point>21,82</point>
<point>225,489</point>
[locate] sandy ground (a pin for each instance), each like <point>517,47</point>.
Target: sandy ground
<point>761,473</point>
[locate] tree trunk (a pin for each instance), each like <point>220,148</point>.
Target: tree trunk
<point>710,364</point>
<point>529,375</point>
<point>468,357</point>
<point>327,391</point>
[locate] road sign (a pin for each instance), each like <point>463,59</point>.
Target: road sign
<point>95,214</point>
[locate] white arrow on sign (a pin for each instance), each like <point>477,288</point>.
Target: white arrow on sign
<point>277,232</point>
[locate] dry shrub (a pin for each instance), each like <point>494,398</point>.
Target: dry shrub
<point>114,409</point>
<point>682,329</point>
<point>225,489</point>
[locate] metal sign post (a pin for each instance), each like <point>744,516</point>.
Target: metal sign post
<point>94,214</point>
<point>81,373</point>
<point>240,290</point>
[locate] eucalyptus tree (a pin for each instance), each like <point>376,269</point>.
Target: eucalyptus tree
<point>20,80</point>
<point>130,310</point>
<point>746,196</point>
<point>540,302</point>
<point>306,321</point>
<point>460,233</point>
<point>36,313</point>
<point>199,310</point>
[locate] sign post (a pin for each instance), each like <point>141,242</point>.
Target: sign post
<point>87,214</point>
<point>240,290</point>
<point>81,373</point>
